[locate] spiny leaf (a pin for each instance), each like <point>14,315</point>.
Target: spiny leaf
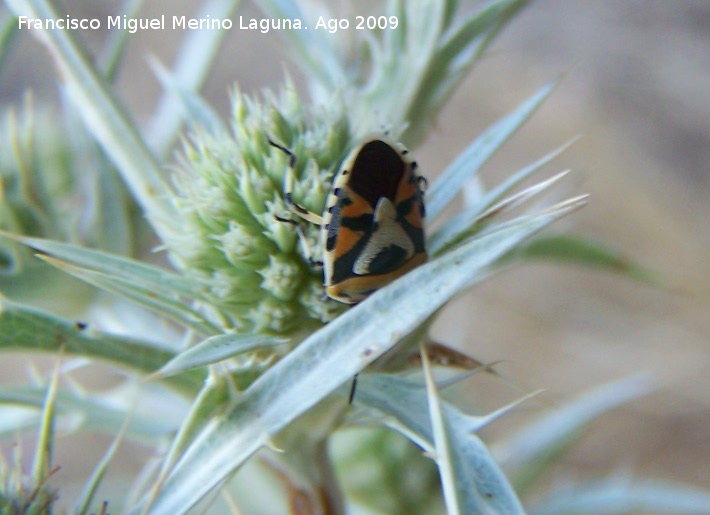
<point>450,230</point>
<point>101,412</point>
<point>114,49</point>
<point>497,193</point>
<point>189,103</point>
<point>45,442</point>
<point>465,225</point>
<point>481,485</point>
<point>160,303</point>
<point>8,31</point>
<point>489,18</point>
<point>330,358</point>
<point>529,450</point>
<point>168,294</point>
<point>194,59</point>
<point>85,498</point>
<point>210,401</point>
<point>112,265</point>
<point>471,159</point>
<point>104,116</point>
<point>310,49</point>
<point>576,250</point>
<point>29,329</point>
<point>623,495</point>
<point>217,348</point>
<point>450,484</point>
<point>458,50</point>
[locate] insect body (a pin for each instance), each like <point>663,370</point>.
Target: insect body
<point>372,228</point>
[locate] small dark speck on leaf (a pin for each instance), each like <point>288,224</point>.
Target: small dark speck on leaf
<point>368,352</point>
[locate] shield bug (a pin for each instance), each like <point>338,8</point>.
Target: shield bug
<point>372,227</point>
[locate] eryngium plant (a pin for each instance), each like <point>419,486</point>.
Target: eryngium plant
<point>258,372</point>
<point>230,194</point>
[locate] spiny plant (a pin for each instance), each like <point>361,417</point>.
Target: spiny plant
<point>243,396</point>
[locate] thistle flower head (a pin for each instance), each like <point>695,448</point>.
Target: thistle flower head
<point>231,197</point>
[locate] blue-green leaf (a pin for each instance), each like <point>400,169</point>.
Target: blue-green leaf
<point>189,103</point>
<point>28,329</point>
<point>534,446</point>
<point>311,49</point>
<point>481,487</point>
<point>8,31</point>
<point>470,160</point>
<point>112,265</point>
<point>328,359</point>
<point>456,494</point>
<point>105,412</point>
<point>164,304</point>
<point>576,250</point>
<point>450,452</point>
<point>83,502</point>
<point>156,288</point>
<point>217,348</point>
<point>466,224</point>
<point>45,442</point>
<point>114,49</point>
<point>193,63</point>
<point>104,116</point>
<point>623,495</point>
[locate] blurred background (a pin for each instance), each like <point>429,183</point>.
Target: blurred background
<point>637,91</point>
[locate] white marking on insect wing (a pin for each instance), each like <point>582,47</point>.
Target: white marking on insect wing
<point>388,233</point>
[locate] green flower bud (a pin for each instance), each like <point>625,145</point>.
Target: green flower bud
<point>230,191</point>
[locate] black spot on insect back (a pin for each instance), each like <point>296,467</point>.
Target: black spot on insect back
<point>377,171</point>
<point>389,258</point>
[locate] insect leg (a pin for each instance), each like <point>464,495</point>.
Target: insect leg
<point>353,387</point>
<point>296,209</point>
<point>423,183</point>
